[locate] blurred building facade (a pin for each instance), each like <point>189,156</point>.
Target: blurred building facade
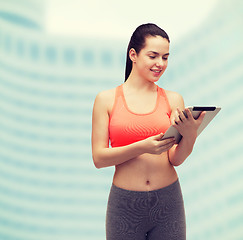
<point>49,187</point>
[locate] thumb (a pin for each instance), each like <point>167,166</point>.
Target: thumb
<point>202,115</point>
<point>159,136</point>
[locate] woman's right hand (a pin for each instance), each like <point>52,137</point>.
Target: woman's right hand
<point>155,145</point>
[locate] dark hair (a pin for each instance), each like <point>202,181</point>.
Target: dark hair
<point>137,41</point>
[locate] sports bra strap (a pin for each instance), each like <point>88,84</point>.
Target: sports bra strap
<point>119,91</point>
<point>163,94</point>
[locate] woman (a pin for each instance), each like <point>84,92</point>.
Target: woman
<point>145,200</point>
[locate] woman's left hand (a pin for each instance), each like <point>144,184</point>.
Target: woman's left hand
<point>187,126</point>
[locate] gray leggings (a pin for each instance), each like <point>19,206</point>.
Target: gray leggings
<point>150,215</point>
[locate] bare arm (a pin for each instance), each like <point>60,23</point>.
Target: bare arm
<point>187,127</point>
<point>103,156</point>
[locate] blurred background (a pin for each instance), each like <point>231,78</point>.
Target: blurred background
<point>56,55</point>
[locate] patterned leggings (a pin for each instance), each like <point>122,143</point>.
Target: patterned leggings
<point>146,215</point>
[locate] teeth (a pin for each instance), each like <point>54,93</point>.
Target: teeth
<point>157,71</point>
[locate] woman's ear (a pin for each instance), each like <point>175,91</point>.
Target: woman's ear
<point>133,55</point>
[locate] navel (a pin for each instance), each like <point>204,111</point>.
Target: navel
<point>147,182</point>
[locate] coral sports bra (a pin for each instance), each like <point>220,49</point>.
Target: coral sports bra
<point>126,127</point>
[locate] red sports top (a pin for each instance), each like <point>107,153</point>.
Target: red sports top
<point>126,127</point>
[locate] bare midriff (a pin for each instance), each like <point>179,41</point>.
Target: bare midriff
<point>145,173</point>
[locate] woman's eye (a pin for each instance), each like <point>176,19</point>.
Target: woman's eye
<point>165,58</point>
<point>152,57</point>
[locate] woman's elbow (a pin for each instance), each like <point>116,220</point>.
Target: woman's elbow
<point>100,158</point>
<point>97,161</point>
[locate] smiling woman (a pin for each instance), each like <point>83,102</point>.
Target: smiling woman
<point>133,117</point>
<point>146,60</point>
<point>149,43</point>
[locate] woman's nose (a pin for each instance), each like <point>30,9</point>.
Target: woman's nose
<point>160,63</point>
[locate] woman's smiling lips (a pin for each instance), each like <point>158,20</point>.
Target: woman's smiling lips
<point>156,71</point>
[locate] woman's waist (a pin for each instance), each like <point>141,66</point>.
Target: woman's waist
<point>146,172</point>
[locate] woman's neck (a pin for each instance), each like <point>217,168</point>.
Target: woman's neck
<point>138,83</point>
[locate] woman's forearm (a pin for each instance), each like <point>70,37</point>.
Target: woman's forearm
<point>105,157</point>
<point>178,153</point>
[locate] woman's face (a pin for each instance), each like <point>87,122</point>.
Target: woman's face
<point>152,60</point>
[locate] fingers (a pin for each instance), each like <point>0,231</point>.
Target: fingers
<point>179,118</point>
<point>155,145</point>
<point>167,141</point>
<point>167,146</point>
<point>181,114</point>
<point>189,114</point>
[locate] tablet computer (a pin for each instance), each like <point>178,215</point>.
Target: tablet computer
<point>211,112</point>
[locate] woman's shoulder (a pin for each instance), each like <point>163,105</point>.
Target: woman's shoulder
<point>172,94</point>
<point>106,94</point>
<point>106,98</point>
<point>175,99</point>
